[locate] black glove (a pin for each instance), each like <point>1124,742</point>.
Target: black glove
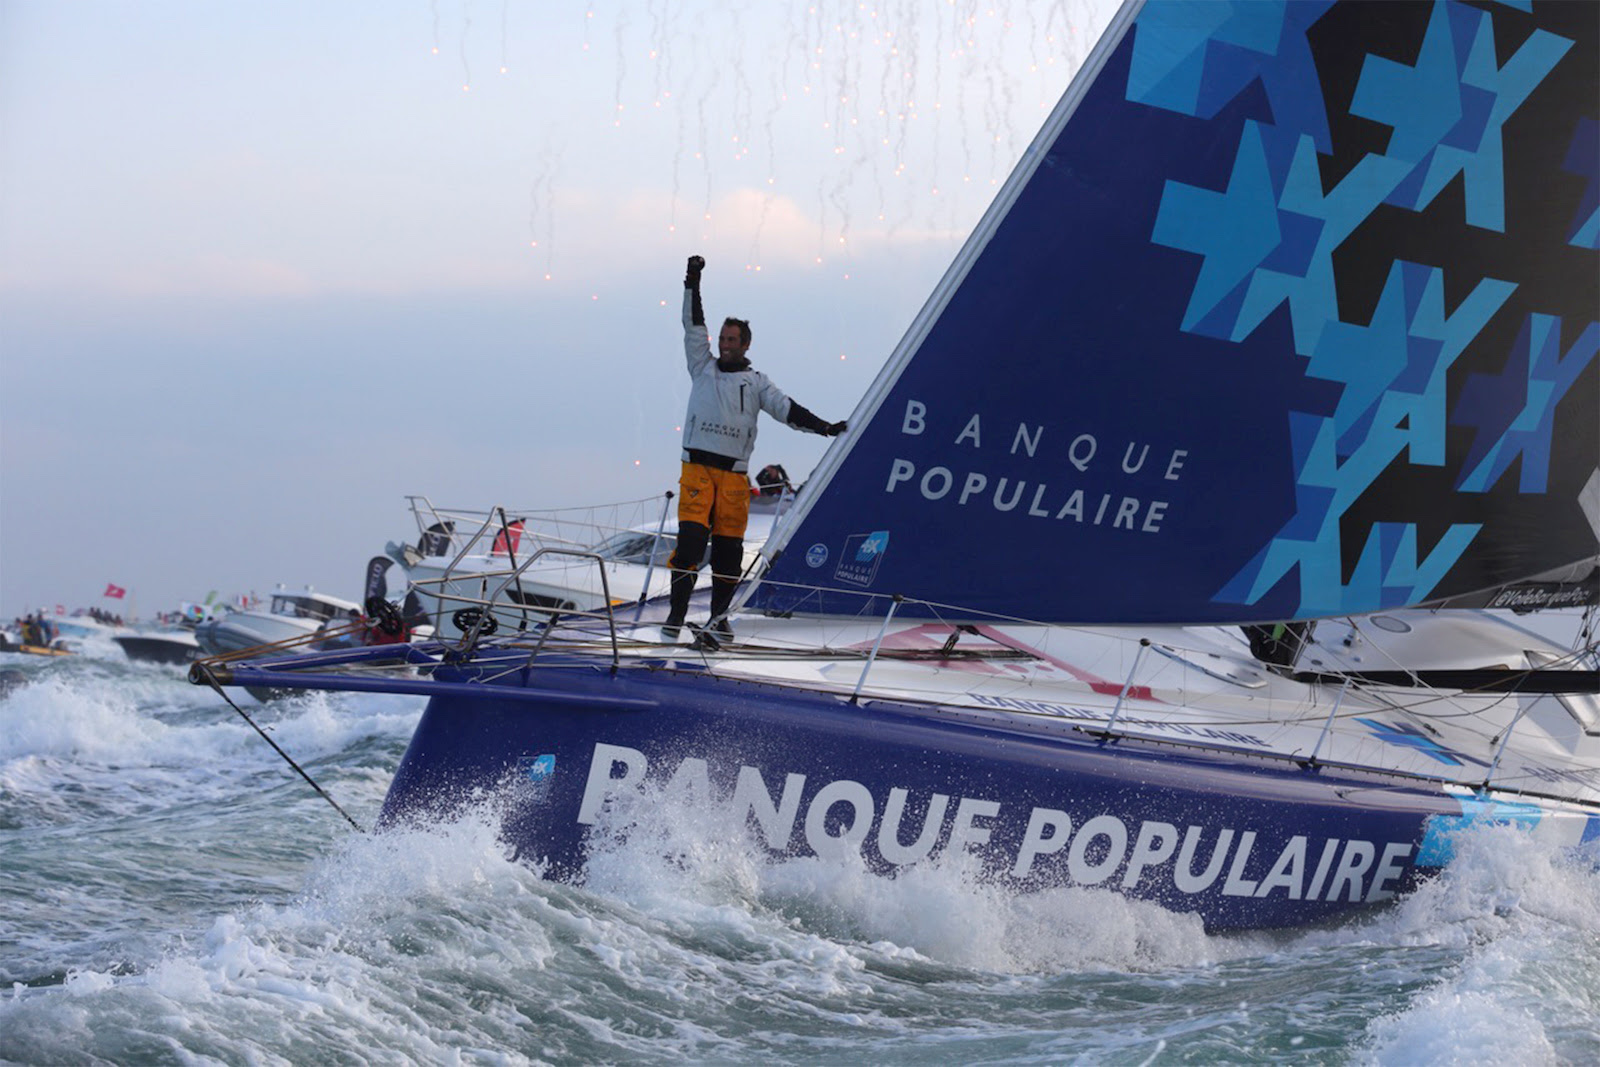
<point>692,274</point>
<point>802,419</point>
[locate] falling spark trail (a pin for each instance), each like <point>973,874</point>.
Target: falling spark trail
<point>661,49</point>
<point>466,26</point>
<point>622,70</point>
<point>704,154</point>
<point>542,207</point>
<point>505,19</point>
<point>741,88</point>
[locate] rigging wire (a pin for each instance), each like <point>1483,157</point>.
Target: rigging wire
<point>204,671</point>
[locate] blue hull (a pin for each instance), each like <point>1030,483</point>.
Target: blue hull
<point>1243,841</point>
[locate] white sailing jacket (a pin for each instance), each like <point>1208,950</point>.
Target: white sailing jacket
<point>723,405</point>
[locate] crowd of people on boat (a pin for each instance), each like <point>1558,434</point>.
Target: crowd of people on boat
<point>35,628</point>
<point>381,624</point>
<point>39,628</point>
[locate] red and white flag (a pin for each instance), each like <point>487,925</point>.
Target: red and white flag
<point>116,592</point>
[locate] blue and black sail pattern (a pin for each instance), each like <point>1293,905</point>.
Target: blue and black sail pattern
<point>1290,311</point>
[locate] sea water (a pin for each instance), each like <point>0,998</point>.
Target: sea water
<point>173,893</point>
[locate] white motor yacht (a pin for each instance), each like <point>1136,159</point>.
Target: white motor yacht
<point>173,645</point>
<point>562,561</point>
<point>288,616</point>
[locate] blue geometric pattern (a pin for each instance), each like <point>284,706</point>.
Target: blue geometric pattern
<point>1248,234</point>
<point>1269,238</point>
<point>1448,110</point>
<point>1407,736</point>
<point>1583,158</point>
<point>1197,57</point>
<point>1515,411</point>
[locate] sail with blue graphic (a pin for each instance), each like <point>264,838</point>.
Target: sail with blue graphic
<point>1289,311</point>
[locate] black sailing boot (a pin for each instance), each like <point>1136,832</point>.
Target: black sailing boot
<point>726,555</point>
<point>722,590</point>
<point>682,587</point>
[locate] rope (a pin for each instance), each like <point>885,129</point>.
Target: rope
<point>286,644</point>
<point>211,680</point>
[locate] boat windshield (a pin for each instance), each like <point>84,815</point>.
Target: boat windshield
<point>638,546</point>
<point>300,607</point>
<point>68,628</point>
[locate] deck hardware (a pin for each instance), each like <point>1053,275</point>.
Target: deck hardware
<point>896,601</point>
<point>650,565</point>
<point>1328,725</point>
<point>1505,739</point>
<point>1144,643</point>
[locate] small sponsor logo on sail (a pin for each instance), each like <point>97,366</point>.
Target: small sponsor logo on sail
<point>858,564</point>
<point>816,555</point>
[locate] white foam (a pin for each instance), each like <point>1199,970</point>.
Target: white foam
<point>370,876</point>
<point>316,723</point>
<point>1521,917</point>
<point>1502,879</point>
<point>128,718</point>
<point>354,961</point>
<point>1448,1024</point>
<point>52,716</point>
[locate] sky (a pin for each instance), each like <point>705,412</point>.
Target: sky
<point>268,269</point>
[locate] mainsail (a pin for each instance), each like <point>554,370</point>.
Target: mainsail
<point>1289,311</point>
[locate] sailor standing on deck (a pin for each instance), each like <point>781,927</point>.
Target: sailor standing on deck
<point>726,397</point>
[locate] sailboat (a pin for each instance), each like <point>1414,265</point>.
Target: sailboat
<point>1287,318</point>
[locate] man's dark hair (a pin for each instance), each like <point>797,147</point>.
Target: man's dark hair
<point>744,328</point>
